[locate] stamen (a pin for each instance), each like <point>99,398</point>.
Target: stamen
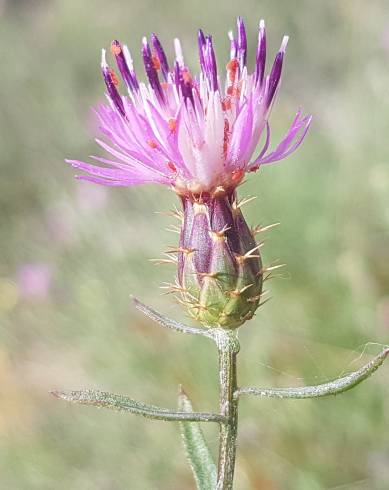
<point>124,63</point>
<point>210,68</point>
<point>284,43</point>
<point>178,50</point>
<point>156,62</point>
<point>234,45</point>
<point>160,53</point>
<point>275,74</point>
<point>186,84</point>
<point>260,60</point>
<point>242,43</point>
<point>114,78</point>
<point>111,82</point>
<point>115,48</point>
<point>201,43</point>
<point>151,71</point>
<point>187,77</point>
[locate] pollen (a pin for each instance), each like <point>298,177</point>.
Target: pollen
<point>156,62</point>
<point>226,104</point>
<point>172,167</point>
<point>152,144</point>
<point>114,78</point>
<point>232,65</point>
<point>172,123</point>
<point>232,68</point>
<point>115,49</point>
<point>187,77</point>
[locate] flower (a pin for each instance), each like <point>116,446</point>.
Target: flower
<point>34,280</point>
<point>198,134</point>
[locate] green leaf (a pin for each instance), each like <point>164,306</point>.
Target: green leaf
<point>168,322</point>
<point>199,456</point>
<point>121,403</point>
<point>334,387</point>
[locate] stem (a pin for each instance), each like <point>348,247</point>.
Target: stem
<point>228,347</point>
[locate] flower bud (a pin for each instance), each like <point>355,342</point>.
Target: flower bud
<point>219,265</point>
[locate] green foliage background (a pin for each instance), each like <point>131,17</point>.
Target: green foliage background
<point>332,199</point>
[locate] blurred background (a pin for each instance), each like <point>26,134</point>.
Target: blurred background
<point>71,254</point>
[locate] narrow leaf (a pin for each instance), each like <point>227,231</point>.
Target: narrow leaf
<point>199,456</point>
<point>168,322</point>
<point>334,387</point>
<point>122,403</point>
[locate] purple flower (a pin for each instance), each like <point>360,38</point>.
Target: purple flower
<point>198,134</point>
<point>34,280</point>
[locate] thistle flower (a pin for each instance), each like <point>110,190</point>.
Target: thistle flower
<point>199,135</point>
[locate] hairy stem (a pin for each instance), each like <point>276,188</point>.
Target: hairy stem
<point>228,347</point>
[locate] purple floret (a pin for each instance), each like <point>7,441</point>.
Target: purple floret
<point>198,134</point>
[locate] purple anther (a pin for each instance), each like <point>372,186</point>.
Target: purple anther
<point>160,53</point>
<point>151,72</point>
<point>126,71</point>
<point>111,82</point>
<point>260,60</point>
<point>234,46</point>
<point>201,43</point>
<point>177,75</point>
<point>210,63</point>
<point>275,74</point>
<point>186,85</point>
<point>242,43</point>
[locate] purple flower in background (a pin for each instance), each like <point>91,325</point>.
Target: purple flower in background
<point>197,133</point>
<point>34,280</point>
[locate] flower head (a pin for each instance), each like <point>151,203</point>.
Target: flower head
<point>200,133</point>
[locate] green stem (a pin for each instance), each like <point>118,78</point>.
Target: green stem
<point>228,347</point>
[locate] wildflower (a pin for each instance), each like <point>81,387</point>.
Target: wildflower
<point>34,280</point>
<point>199,135</point>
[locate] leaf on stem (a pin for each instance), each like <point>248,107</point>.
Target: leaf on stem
<point>167,322</point>
<point>334,387</point>
<point>122,403</point>
<point>199,456</point>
